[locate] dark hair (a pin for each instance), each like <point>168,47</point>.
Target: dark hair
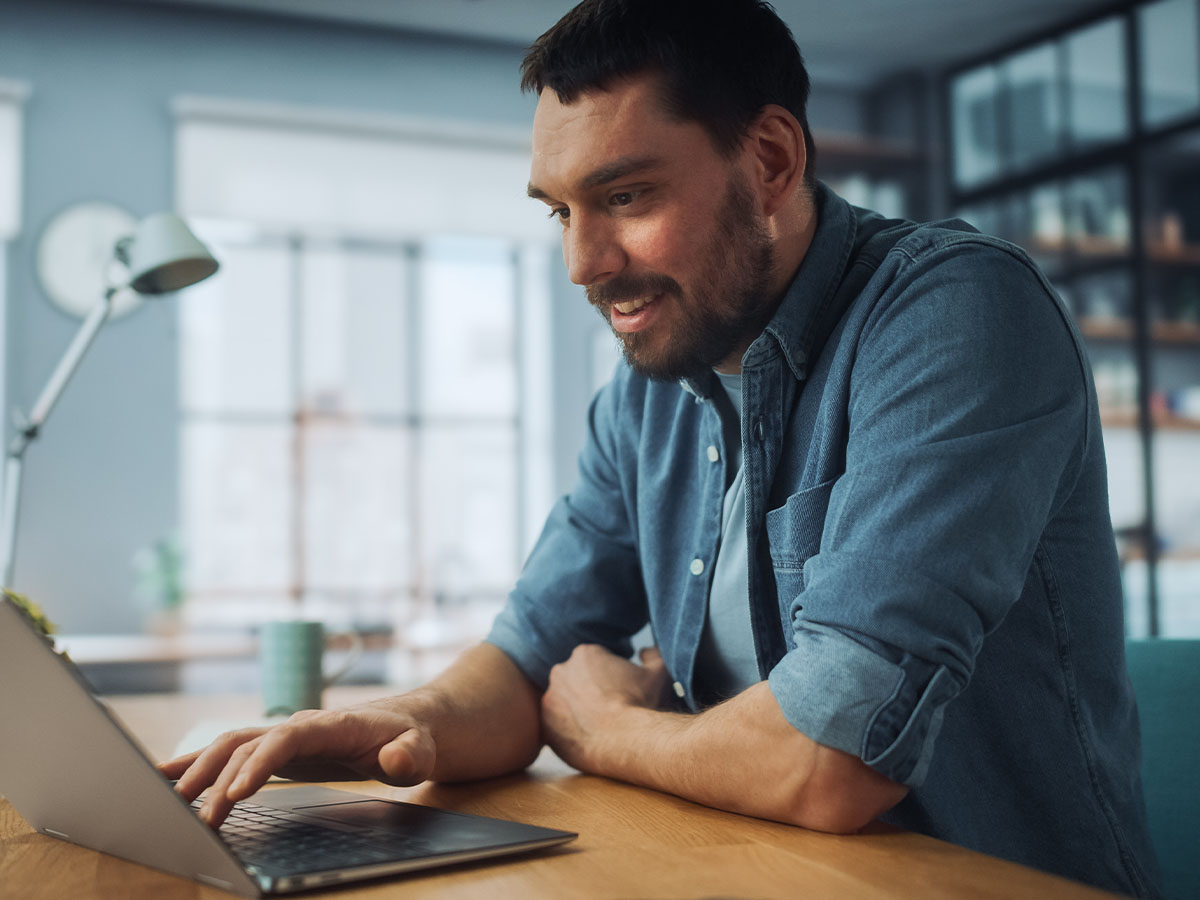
<point>721,61</point>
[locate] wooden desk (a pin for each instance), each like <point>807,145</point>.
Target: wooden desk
<point>633,843</point>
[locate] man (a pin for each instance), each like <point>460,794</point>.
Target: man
<point>852,476</point>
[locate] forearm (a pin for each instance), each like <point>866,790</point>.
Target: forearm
<point>742,756</point>
<point>482,713</point>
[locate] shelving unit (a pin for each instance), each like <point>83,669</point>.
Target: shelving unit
<point>1082,145</point>
<point>889,176</point>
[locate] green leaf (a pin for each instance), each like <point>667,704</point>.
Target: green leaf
<point>33,611</point>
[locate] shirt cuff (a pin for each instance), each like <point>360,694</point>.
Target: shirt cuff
<point>841,694</point>
<point>510,636</point>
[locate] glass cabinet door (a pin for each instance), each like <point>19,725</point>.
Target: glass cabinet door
<point>976,123</point>
<point>1097,107</point>
<point>1169,33</point>
<point>1084,148</point>
<point>1032,106</point>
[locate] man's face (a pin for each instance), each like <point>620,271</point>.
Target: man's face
<point>663,231</point>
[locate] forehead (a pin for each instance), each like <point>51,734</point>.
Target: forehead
<point>627,120</point>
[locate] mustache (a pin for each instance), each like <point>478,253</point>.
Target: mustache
<point>631,287</point>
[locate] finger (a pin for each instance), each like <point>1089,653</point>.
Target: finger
<point>651,657</point>
<point>217,801</point>
<point>173,768</point>
<point>306,738</point>
<point>208,763</point>
<point>278,747</point>
<point>408,758</point>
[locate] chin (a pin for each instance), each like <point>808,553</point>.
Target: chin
<point>660,368</point>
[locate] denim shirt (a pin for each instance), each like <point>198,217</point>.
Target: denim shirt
<point>933,580</point>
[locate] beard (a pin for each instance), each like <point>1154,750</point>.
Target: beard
<point>727,309</point>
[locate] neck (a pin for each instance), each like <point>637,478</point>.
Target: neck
<point>796,227</point>
<point>793,229</point>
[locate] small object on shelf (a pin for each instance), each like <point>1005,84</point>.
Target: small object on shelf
<point>1172,230</point>
<point>1185,402</point>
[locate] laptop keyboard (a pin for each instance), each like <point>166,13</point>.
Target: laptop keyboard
<point>273,840</point>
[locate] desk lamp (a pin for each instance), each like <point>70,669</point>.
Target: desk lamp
<point>162,255</point>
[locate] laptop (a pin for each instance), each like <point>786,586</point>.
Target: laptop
<point>73,772</point>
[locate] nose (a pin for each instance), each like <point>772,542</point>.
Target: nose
<point>591,250</point>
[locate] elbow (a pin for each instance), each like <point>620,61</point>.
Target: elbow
<point>529,757</point>
<point>842,798</point>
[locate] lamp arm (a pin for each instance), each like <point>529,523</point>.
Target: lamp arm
<point>69,363</point>
<point>28,427</point>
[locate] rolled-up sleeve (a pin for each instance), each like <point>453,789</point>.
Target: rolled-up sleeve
<point>968,412</point>
<point>582,582</point>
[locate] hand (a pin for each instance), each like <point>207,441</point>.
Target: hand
<point>374,740</point>
<point>587,694</point>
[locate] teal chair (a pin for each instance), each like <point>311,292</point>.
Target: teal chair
<point>1166,679</point>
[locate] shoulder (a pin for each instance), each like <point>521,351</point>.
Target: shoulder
<point>951,276</point>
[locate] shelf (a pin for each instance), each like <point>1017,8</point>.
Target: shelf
<point>1175,332</point>
<point>841,153</point>
<point>1096,328</point>
<point>1164,421</point>
<point>1173,255</point>
<point>1098,249</point>
<point>1177,554</point>
<point>1105,329</point>
<point>1084,247</point>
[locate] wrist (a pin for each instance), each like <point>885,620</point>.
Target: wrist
<point>638,741</point>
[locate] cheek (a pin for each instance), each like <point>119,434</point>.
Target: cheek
<point>661,245</point>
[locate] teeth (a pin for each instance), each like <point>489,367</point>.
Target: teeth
<point>631,305</point>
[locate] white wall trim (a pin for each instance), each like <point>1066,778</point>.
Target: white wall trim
<point>313,171</point>
<point>189,107</point>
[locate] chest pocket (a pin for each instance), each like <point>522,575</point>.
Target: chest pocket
<point>794,535</point>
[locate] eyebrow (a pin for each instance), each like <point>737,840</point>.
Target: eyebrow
<point>619,168</point>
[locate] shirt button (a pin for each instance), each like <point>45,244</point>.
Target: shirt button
<point>679,691</point>
<point>758,429</point>
<point>697,567</point>
<point>713,453</point>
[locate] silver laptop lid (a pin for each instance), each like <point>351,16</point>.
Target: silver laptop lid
<point>73,772</point>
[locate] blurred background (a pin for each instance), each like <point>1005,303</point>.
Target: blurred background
<point>365,415</point>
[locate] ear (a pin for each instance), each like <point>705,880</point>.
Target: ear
<point>775,145</point>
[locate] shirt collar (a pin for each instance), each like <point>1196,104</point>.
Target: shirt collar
<point>807,312</point>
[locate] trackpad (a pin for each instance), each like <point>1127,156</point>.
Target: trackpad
<point>373,813</point>
<point>425,823</point>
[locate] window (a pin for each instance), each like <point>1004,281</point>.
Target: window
<point>12,96</point>
<point>364,400</point>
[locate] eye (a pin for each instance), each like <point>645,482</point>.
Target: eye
<point>561,213</point>
<point>622,198</point>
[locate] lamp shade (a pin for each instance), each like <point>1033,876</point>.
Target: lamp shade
<point>163,255</point>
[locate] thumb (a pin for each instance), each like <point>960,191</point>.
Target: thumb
<point>408,758</point>
<point>651,658</point>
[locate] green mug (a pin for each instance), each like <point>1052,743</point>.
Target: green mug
<point>291,658</point>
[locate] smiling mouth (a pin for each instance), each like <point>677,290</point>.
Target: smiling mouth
<point>629,307</point>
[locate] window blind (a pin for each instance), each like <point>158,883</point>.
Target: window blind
<point>354,174</point>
